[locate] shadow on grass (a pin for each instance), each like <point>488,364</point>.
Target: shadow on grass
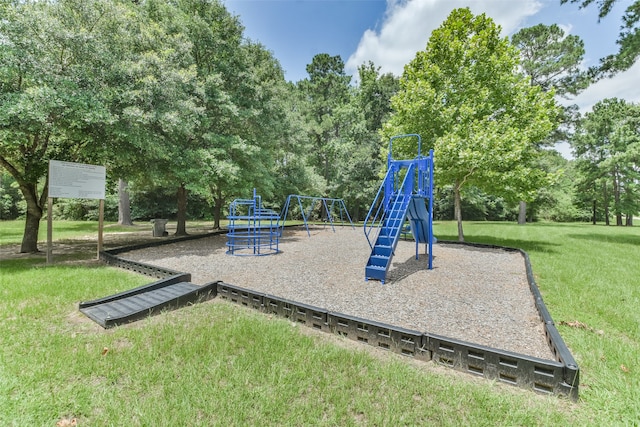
<point>613,238</point>
<point>526,245</point>
<point>38,261</point>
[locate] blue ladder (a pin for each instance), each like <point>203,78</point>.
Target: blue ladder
<point>385,245</point>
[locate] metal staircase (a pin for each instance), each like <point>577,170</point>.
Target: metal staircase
<point>392,221</point>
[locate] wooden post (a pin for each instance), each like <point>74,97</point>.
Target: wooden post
<point>100,227</point>
<point>49,230</point>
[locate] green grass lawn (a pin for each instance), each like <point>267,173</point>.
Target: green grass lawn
<point>221,364</point>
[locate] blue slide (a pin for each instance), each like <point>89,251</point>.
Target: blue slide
<point>418,216</point>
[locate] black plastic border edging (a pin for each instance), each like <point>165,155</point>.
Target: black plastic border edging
<point>558,347</point>
<point>163,241</point>
<point>540,375</point>
<point>559,377</point>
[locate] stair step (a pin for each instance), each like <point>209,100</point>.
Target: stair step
<point>384,240</point>
<point>378,261</point>
<point>380,250</point>
<point>375,273</point>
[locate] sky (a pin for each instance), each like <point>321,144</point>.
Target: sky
<point>390,32</point>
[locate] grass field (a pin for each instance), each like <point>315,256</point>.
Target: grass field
<point>220,364</point>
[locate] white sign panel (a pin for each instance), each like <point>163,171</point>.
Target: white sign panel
<point>76,180</point>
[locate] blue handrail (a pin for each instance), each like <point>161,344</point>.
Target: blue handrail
<point>385,196</point>
<point>375,220</point>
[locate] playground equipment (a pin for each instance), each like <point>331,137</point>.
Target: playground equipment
<point>330,207</point>
<point>252,230</point>
<point>405,193</point>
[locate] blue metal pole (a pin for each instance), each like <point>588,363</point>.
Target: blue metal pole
<point>430,209</point>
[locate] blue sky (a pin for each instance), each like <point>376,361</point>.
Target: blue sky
<point>390,32</point>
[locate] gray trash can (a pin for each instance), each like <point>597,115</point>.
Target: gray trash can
<point>159,227</point>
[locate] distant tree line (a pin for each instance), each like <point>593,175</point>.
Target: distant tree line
<point>187,114</point>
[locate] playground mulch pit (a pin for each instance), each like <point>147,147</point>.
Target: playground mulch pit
<point>479,295</point>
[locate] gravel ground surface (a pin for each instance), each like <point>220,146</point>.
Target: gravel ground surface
<point>476,295</point>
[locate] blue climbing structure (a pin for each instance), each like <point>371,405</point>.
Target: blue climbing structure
<point>252,230</point>
<point>406,194</point>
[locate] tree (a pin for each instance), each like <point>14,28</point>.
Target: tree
<point>242,116</point>
<point>124,203</point>
<point>360,147</point>
<point>55,59</point>
<point>326,89</point>
<point>556,201</point>
<point>628,39</point>
<point>483,119</point>
<point>551,59</point>
<point>607,149</point>
<point>293,154</point>
<point>166,104</point>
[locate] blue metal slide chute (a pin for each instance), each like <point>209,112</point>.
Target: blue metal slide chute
<point>418,217</point>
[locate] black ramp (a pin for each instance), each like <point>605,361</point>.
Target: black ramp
<point>146,300</point>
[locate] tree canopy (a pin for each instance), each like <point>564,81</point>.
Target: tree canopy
<point>628,39</point>
<point>483,119</point>
<point>551,58</point>
<point>57,63</point>
<point>607,149</point>
<point>174,99</point>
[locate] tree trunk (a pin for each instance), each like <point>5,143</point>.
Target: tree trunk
<point>124,204</point>
<point>355,215</point>
<point>34,214</point>
<point>181,227</point>
<point>629,222</point>
<point>606,205</point>
<point>616,198</point>
<point>594,212</point>
<point>31,229</point>
<point>218,201</point>
<point>522,213</point>
<point>458,211</point>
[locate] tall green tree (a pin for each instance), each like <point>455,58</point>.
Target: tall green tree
<point>55,62</point>
<point>243,116</point>
<point>628,39</point>
<point>551,59</point>
<point>327,90</point>
<point>465,95</point>
<point>361,163</point>
<point>556,201</point>
<point>293,153</point>
<point>607,149</point>
<point>165,108</point>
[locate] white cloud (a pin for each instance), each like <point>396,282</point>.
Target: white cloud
<point>408,25</point>
<point>622,85</point>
